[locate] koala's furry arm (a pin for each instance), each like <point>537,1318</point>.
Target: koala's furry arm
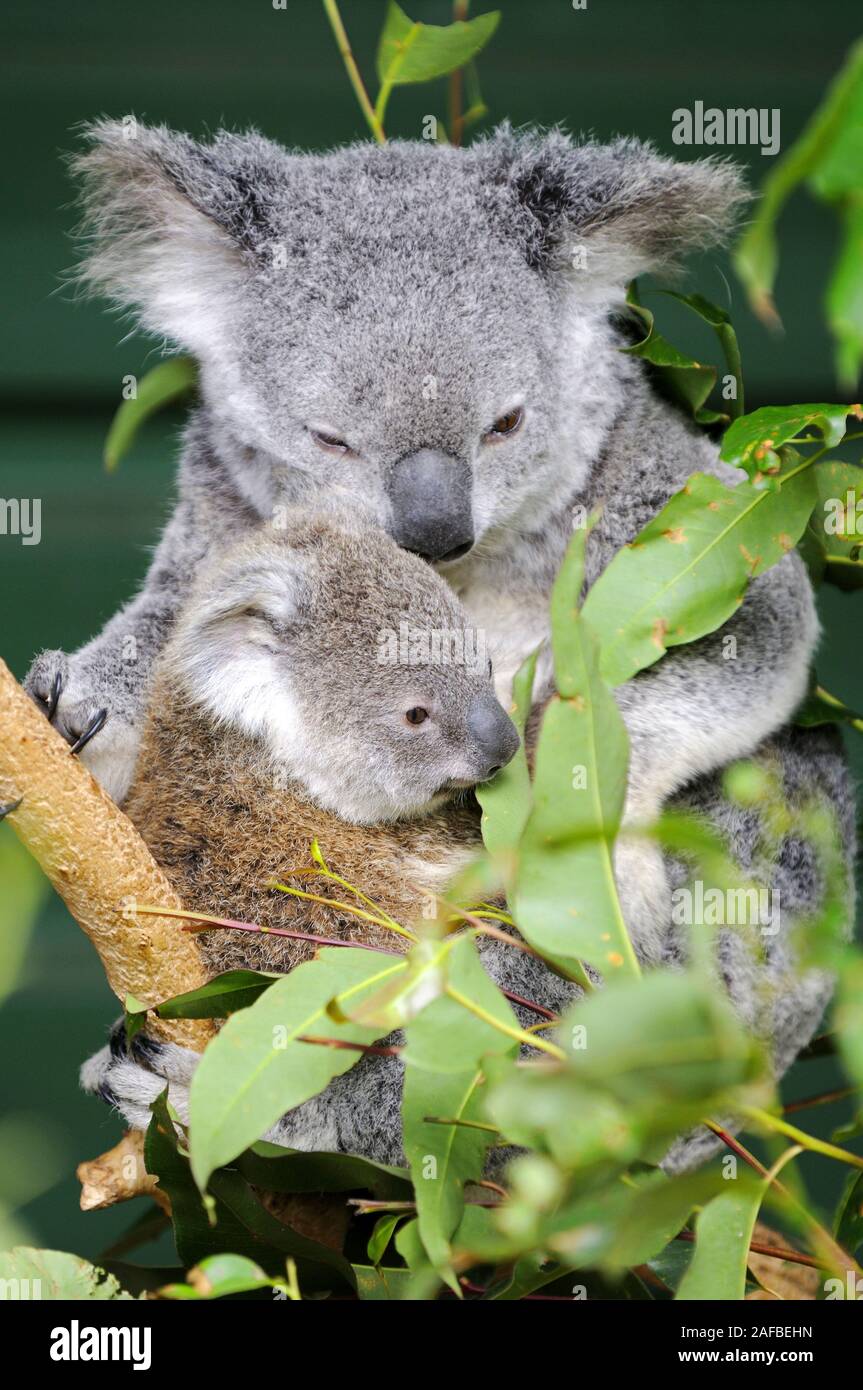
<point>111,672</point>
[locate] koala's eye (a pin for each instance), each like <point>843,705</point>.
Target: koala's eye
<point>330,442</point>
<point>417,715</point>
<point>505,425</point>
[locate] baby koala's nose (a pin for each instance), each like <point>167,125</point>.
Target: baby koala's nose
<point>493,733</point>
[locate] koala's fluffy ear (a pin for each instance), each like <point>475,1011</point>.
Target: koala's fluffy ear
<point>607,213</point>
<point>224,650</point>
<point>171,223</point>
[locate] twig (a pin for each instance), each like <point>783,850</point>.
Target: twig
<point>344,47</point>
<point>353,1046</point>
<point>97,862</point>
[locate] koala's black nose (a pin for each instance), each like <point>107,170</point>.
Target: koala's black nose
<point>493,733</point>
<point>430,496</point>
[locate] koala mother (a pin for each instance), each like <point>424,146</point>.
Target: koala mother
<point>428,333</point>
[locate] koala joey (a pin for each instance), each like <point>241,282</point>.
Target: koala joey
<point>320,683</point>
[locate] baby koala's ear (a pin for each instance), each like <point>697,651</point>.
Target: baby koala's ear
<point>171,224</point>
<point>603,214</point>
<point>226,647</point>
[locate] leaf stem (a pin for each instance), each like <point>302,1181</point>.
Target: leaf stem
<point>807,1141</point>
<point>344,907</point>
<point>254,927</point>
<point>528,1039</point>
<point>350,62</point>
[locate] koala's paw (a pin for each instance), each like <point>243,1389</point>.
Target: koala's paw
<point>130,1079</point>
<point>85,718</point>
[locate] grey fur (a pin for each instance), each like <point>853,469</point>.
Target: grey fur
<point>403,298</point>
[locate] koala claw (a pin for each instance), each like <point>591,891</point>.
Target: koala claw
<point>54,696</point>
<point>9,807</point>
<point>49,682</point>
<point>96,723</point>
<point>75,704</point>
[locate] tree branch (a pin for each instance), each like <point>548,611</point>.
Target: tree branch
<point>98,863</point>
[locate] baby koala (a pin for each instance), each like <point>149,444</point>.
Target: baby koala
<point>320,683</point>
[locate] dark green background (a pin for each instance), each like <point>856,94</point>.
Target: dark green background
<point>619,66</point>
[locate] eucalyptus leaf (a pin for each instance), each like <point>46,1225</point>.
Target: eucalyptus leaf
<point>376,1284</point>
<point>237,1222</point>
<point>167,382</point>
<point>506,799</point>
<point>256,1067</point>
<point>445,1045</point>
<point>832,544</point>
<point>26,1273</point>
<point>412,52</point>
<point>820,154</point>
<point>848,1222</point>
<point>278,1169</point>
<point>750,442</point>
<point>686,573</point>
<point>723,1232</point>
<point>565,898</point>
<point>219,997</point>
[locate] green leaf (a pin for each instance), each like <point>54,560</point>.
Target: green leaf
<point>24,890</point>
<point>26,1273</point>
<point>686,573</point>
<point>167,382</point>
<point>238,1223</point>
<point>832,544</point>
<point>445,1036</point>
<point>565,899</point>
<point>653,1216</point>
<point>723,1231</point>
<point>382,1235</point>
<point>219,1276</point>
<point>845,295</point>
<point>506,799</point>
<point>720,322</point>
<point>135,1016</point>
<point>554,1112</point>
<point>849,1017</point>
<point>412,52</point>
<point>221,996</point>
<point>374,1283</point>
<point>256,1067</point>
<point>685,380</point>
<point>278,1169</point>
<point>820,707</point>
<point>812,156</point>
<point>420,977</point>
<point>848,1222</point>
<point>668,1048</point>
<point>444,1048</point>
<point>752,441</point>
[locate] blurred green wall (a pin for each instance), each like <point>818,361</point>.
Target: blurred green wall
<point>619,66</point>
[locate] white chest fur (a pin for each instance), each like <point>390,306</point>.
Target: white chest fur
<point>512,624</point>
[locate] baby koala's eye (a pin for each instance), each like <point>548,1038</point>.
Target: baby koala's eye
<point>330,442</point>
<point>417,715</point>
<point>505,425</point>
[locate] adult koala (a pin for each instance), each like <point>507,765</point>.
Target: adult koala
<point>429,332</point>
